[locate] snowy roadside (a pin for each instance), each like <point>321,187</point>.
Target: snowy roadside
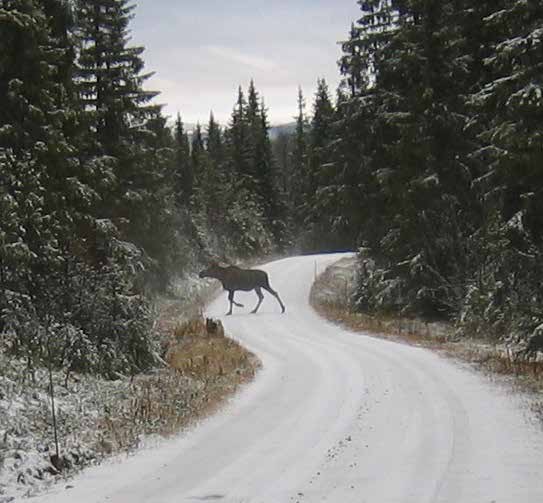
<point>335,416</point>
<point>331,296</point>
<point>99,418</point>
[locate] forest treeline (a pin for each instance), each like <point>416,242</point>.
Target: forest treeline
<point>427,159</point>
<point>431,162</point>
<point>102,202</point>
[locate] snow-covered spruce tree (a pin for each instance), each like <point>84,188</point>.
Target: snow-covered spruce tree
<point>273,199</point>
<point>354,63</point>
<point>197,152</point>
<point>346,196</point>
<point>130,151</point>
<point>282,146</point>
<point>43,195</point>
<point>319,170</point>
<point>245,149</point>
<point>439,127</point>
<point>254,144</point>
<point>38,169</point>
<point>188,240</point>
<point>222,188</point>
<point>298,177</point>
<point>506,292</point>
<point>137,194</point>
<point>402,92</point>
<point>117,113</point>
<point>357,199</point>
<point>431,219</point>
<point>261,179</point>
<point>214,180</point>
<point>354,200</point>
<point>183,175</point>
<point>167,240</point>
<point>215,143</point>
<point>510,107</point>
<point>110,73</point>
<point>258,170</point>
<point>237,144</point>
<point>209,208</point>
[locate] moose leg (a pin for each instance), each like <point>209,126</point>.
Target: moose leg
<point>231,299</point>
<point>260,297</point>
<point>276,295</point>
<point>234,302</point>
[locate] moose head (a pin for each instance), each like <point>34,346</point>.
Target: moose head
<point>212,271</point>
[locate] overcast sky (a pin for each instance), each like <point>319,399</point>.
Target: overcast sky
<point>202,50</point>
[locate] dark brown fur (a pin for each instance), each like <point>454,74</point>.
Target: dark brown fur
<point>234,278</point>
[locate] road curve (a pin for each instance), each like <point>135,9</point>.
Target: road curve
<point>338,417</point>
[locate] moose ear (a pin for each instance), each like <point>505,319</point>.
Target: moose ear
<point>223,262</point>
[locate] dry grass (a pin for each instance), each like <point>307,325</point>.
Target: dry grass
<point>200,350</point>
<point>398,329</point>
<point>204,368</point>
<point>171,313</point>
<point>496,358</point>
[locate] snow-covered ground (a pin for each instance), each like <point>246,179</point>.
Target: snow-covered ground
<point>338,417</point>
<point>26,432</point>
<point>89,409</point>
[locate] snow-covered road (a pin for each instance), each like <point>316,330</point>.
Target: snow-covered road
<point>338,417</point>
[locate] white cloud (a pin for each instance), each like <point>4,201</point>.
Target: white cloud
<point>202,51</point>
<point>258,63</point>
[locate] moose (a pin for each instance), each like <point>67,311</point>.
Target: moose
<point>234,278</point>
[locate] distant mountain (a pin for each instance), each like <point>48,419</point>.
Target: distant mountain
<point>189,127</point>
<point>288,128</point>
<point>275,131</point>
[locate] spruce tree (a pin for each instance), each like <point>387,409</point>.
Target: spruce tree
<point>184,176</point>
<point>110,72</point>
<point>245,144</point>
<point>506,121</point>
<point>299,177</point>
<point>197,153</point>
<point>214,142</point>
<point>85,185</point>
<point>254,147</point>
<point>412,152</point>
<point>318,167</point>
<point>354,63</point>
<point>32,147</point>
<point>510,101</point>
<point>116,107</point>
<point>42,192</point>
<point>209,206</point>
<point>274,207</point>
<point>236,140</point>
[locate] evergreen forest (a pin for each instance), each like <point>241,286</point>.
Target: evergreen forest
<point>427,160</point>
<point>429,163</point>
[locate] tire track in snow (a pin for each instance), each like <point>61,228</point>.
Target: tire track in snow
<point>338,417</point>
